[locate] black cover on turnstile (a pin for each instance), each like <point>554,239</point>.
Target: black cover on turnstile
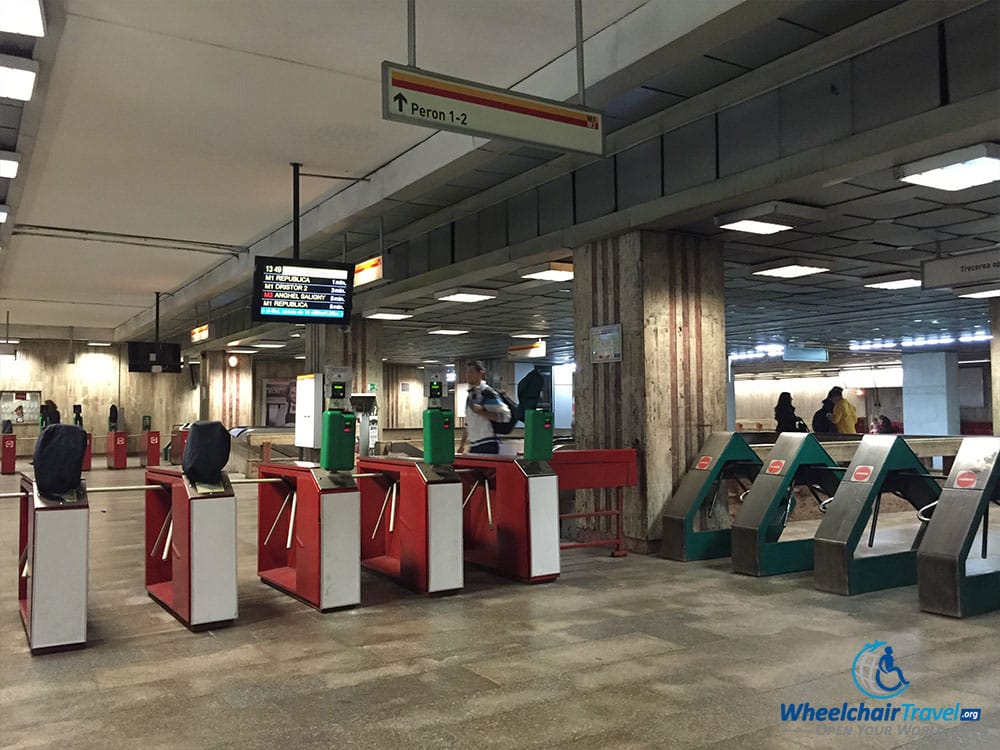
<point>58,458</point>
<point>206,452</point>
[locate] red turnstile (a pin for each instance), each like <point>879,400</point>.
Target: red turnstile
<point>511,516</point>
<point>411,523</point>
<point>8,453</point>
<point>178,439</point>
<point>52,568</point>
<point>150,454</point>
<point>117,450</point>
<point>191,548</point>
<point>88,454</point>
<point>309,534</point>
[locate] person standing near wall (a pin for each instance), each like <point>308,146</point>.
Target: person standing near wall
<point>785,416</point>
<point>844,415</point>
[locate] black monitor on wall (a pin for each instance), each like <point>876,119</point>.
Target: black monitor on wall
<point>302,291</point>
<point>148,356</point>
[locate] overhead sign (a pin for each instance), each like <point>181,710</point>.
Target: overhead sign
<point>417,97</point>
<point>527,351</point>
<point>199,334</point>
<point>368,271</point>
<point>804,354</point>
<point>962,270</point>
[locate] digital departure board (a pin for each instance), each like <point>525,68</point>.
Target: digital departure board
<point>302,291</point>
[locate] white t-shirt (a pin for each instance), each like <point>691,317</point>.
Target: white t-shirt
<point>479,429</point>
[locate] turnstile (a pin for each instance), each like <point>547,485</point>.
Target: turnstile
<point>696,522</point>
<point>882,463</point>
<point>52,567</point>
<point>797,459</point>
<point>511,516</point>
<point>191,548</point>
<point>411,523</point>
<point>309,534</point>
<point>948,581</point>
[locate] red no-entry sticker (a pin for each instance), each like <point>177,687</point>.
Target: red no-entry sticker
<point>703,463</point>
<point>966,480</point>
<point>861,474</point>
<point>775,466</point>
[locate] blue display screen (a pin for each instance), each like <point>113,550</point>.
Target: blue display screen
<point>319,291</point>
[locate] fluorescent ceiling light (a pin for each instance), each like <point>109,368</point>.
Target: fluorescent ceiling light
<point>22,17</point>
<point>528,335</point>
<point>17,77</point>
<point>894,281</point>
<point>10,341</point>
<point>384,313</point>
<point>928,341</point>
<point>978,292</point>
<point>755,227</point>
<point>268,344</point>
<point>300,356</point>
<point>98,343</point>
<point>975,337</point>
<point>465,294</point>
<point>955,170</point>
<point>549,272</point>
<point>241,351</point>
<point>982,294</point>
<point>9,161</point>
<point>769,218</point>
<point>446,331</point>
<point>790,268</point>
<point>4,212</point>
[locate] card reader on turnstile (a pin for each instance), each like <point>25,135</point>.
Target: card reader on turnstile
<point>439,423</point>
<point>538,434</point>
<point>339,423</point>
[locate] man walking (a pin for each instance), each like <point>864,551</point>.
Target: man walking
<point>483,407</point>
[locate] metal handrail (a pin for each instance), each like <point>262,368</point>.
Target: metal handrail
<point>920,513</point>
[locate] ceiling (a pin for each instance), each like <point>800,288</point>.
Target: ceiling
<point>160,121</point>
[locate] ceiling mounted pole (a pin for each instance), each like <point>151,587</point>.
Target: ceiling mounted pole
<point>579,53</point>
<point>296,166</point>
<point>411,33</point>
<point>157,324</point>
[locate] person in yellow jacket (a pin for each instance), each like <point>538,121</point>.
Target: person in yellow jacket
<point>844,415</point>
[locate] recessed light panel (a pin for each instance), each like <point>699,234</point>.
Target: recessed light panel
<point>465,294</point>
<point>955,170</point>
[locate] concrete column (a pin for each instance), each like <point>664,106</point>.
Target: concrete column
<point>227,392</point>
<point>930,393</point>
<point>669,390</point>
<point>360,348</point>
<point>995,362</point>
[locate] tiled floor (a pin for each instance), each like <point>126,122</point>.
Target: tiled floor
<point>633,652</point>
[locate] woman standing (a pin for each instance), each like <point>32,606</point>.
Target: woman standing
<point>784,415</point>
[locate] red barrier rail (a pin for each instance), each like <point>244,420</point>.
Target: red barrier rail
<point>595,470</point>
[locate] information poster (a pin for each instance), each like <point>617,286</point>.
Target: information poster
<point>20,407</point>
<point>606,343</point>
<point>279,402</point>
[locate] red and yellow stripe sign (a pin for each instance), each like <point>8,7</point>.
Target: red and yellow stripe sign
<point>464,93</point>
